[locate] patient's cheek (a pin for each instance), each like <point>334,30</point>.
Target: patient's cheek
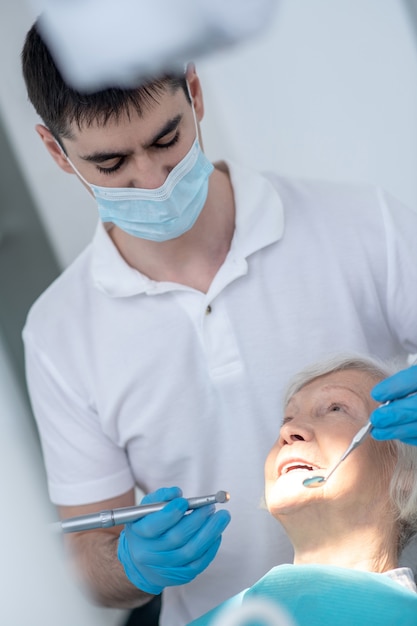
<point>270,464</point>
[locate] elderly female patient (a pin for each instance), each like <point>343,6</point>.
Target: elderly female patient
<point>348,532</point>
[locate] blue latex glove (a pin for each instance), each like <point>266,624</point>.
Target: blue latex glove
<point>167,547</point>
<point>397,420</point>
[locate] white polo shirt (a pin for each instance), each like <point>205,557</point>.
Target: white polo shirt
<point>156,384</point>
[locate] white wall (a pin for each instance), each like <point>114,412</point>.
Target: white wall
<point>330,91</point>
<point>64,206</point>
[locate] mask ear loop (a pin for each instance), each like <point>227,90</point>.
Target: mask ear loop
<point>72,164</point>
<point>193,109</point>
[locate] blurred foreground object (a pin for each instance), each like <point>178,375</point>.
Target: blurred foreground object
<point>37,585</point>
<point>102,43</point>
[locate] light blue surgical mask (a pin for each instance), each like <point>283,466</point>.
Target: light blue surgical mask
<point>163,213</point>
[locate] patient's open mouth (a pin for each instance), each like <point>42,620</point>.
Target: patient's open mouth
<point>297,465</point>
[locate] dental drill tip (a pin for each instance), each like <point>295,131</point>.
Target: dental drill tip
<point>56,527</point>
<point>222,496</point>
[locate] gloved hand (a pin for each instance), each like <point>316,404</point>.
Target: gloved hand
<point>167,547</point>
<point>397,420</point>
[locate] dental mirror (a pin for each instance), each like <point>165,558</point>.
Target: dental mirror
<point>314,481</point>
<point>317,481</point>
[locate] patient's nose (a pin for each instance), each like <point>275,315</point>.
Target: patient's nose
<point>295,431</point>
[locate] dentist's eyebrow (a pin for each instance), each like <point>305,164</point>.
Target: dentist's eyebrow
<point>101,157</point>
<point>168,127</point>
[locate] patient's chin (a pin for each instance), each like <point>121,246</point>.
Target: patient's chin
<point>287,494</point>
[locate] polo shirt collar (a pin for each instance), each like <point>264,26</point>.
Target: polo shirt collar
<point>259,211</point>
<point>110,272</point>
<point>259,223</point>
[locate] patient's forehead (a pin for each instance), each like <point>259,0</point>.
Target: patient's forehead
<point>349,383</point>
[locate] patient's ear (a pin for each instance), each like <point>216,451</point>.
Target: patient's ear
<point>53,148</point>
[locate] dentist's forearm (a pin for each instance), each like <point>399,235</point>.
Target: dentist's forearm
<point>95,556</point>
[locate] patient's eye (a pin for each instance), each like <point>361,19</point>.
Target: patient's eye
<point>336,406</point>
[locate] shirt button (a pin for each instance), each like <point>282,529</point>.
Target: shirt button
<point>208,310</point>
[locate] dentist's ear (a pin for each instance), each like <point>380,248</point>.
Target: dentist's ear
<point>53,148</point>
<point>195,91</point>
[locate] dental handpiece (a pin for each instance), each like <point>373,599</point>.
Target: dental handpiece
<point>116,517</point>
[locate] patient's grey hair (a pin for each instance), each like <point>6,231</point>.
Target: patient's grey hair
<point>403,483</point>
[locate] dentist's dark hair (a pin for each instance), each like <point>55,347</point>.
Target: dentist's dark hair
<point>59,105</point>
